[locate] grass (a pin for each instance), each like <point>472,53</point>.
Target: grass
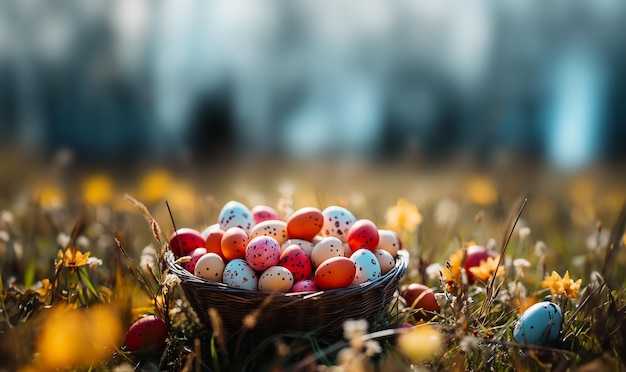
<point>72,245</point>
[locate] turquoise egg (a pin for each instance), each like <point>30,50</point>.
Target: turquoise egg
<point>539,325</point>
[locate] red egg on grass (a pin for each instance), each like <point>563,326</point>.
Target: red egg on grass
<point>474,256</point>
<point>419,296</point>
<point>147,335</point>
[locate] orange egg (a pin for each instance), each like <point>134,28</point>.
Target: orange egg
<point>213,242</point>
<point>305,223</point>
<point>336,272</point>
<point>234,242</point>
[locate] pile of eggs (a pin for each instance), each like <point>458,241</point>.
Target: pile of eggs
<point>313,250</point>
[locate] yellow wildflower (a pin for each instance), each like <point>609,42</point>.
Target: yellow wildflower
<point>155,186</point>
<point>481,190</point>
<point>97,189</point>
<point>571,287</point>
<point>72,258</point>
<point>453,266</point>
<point>422,343</point>
<point>404,216</point>
<point>487,267</point>
<point>563,285</point>
<point>50,196</point>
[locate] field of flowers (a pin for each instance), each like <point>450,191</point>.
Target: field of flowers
<point>82,257</point>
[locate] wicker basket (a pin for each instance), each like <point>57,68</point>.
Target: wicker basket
<point>323,311</point>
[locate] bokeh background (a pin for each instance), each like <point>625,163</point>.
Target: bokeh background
<point>125,83</point>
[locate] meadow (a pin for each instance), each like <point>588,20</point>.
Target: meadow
<point>82,257</point>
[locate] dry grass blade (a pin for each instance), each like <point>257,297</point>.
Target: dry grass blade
<point>218,331</point>
<point>616,236</point>
<point>508,233</point>
<point>135,270</point>
<point>154,226</point>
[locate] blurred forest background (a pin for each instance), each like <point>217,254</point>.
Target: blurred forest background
<point>121,83</point>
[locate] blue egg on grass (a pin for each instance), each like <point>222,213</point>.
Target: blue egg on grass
<point>539,325</point>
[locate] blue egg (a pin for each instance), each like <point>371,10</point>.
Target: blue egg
<point>539,325</point>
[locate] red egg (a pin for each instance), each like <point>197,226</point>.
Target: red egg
<point>262,253</point>
<point>213,242</point>
<point>336,272</point>
<point>475,254</point>
<point>306,285</point>
<point>296,260</point>
<point>262,213</point>
<point>420,296</point>
<point>305,223</point>
<point>195,256</point>
<point>363,234</point>
<point>146,335</point>
<point>185,240</point>
<point>234,242</point>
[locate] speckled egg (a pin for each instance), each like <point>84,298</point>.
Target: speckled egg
<point>325,249</point>
<point>420,296</point>
<point>297,261</point>
<point>238,274</point>
<point>539,325</point>
<point>305,223</point>
<point>305,244</point>
<point>386,260</point>
<point>234,242</point>
<point>274,228</point>
<point>235,214</point>
<point>211,267</point>
<point>337,222</point>
<point>336,272</point>
<point>389,241</point>
<point>363,234</point>
<point>276,279</point>
<point>306,285</point>
<point>146,335</point>
<point>209,229</point>
<point>262,252</point>
<point>262,213</point>
<point>185,240</point>
<point>213,241</point>
<point>195,256</point>
<point>347,251</point>
<point>367,266</point>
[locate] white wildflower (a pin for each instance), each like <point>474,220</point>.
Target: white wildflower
<point>446,212</point>
<point>169,283</point>
<point>491,244</point>
<point>148,257</point>
<point>82,242</point>
<point>354,328</point>
<point>372,348</point>
<point>434,271</point>
<point>517,289</point>
<point>520,265</point>
<point>524,232</point>
<point>441,299</point>
<point>579,261</point>
<point>540,249</point>
<point>6,219</point>
<point>94,262</point>
<point>4,236</point>
<point>63,240</point>
<point>469,344</point>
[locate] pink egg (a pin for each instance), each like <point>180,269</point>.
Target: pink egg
<point>262,252</point>
<point>264,213</point>
<point>296,260</point>
<point>363,234</point>
<point>185,240</point>
<point>195,256</point>
<point>306,285</point>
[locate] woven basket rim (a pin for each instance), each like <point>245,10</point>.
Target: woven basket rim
<point>188,278</point>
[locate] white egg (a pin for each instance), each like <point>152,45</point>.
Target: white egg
<point>337,222</point>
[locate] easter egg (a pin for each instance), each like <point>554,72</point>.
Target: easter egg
<point>234,242</point>
<point>389,241</point>
<point>210,228</point>
<point>539,325</point>
<point>325,249</point>
<point>305,223</point>
<point>306,285</point>
<point>211,267</point>
<point>475,254</point>
<point>235,214</point>
<point>363,234</point>
<point>305,244</point>
<point>367,266</point>
<point>419,296</point>
<point>238,274</point>
<point>337,222</point>
<point>146,335</point>
<point>262,213</point>
<point>213,241</point>
<point>195,256</point>
<point>336,272</point>
<point>262,252</point>
<point>185,240</point>
<point>274,228</point>
<point>276,279</point>
<point>386,260</point>
<point>297,261</point>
